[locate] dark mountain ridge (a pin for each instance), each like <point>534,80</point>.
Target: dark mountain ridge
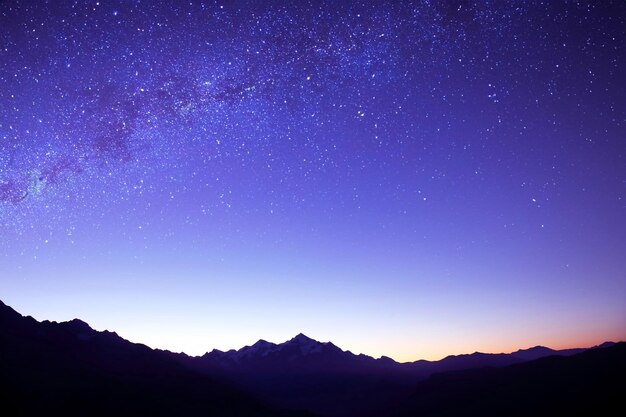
<point>578,385</point>
<point>307,374</point>
<point>67,368</point>
<point>305,354</point>
<point>70,369</point>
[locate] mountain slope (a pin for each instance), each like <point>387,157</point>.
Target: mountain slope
<point>306,374</point>
<point>301,354</point>
<point>578,385</point>
<point>304,354</point>
<point>72,370</point>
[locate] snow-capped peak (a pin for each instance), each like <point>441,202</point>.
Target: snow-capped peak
<point>302,338</point>
<point>305,344</point>
<point>260,348</point>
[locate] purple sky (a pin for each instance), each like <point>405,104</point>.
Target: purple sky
<point>413,179</point>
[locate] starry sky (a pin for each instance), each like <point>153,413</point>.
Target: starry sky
<point>413,179</point>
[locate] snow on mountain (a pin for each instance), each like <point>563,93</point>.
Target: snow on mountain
<point>304,344</point>
<point>304,353</point>
<point>299,350</point>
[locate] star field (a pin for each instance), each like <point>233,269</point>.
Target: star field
<point>409,158</point>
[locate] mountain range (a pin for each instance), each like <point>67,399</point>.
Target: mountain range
<point>303,373</point>
<point>304,353</point>
<point>71,369</point>
<point>585,384</point>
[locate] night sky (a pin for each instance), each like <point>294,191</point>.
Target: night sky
<point>413,179</point>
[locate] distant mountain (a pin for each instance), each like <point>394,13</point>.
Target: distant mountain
<point>303,373</point>
<point>69,369</point>
<point>305,354</point>
<point>538,352</point>
<point>579,385</point>
<point>483,360</point>
<point>298,354</point>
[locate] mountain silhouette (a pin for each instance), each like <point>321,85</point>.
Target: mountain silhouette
<point>69,369</point>
<point>303,353</point>
<point>303,373</point>
<point>298,354</point>
<point>578,385</point>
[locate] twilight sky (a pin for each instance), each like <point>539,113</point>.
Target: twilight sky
<point>413,179</point>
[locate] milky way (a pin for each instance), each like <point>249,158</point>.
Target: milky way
<point>92,90</point>
<point>436,135</point>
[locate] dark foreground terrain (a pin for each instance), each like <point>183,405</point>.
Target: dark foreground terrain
<point>581,385</point>
<point>69,369</point>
